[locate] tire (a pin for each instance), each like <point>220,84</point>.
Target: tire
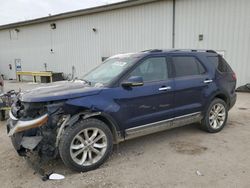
<point>214,121</point>
<point>74,140</point>
<point>2,115</point>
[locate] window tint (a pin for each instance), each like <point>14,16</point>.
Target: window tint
<point>220,63</point>
<point>187,66</point>
<point>152,69</point>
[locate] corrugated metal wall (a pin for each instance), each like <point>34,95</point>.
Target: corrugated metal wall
<point>32,47</point>
<point>75,43</point>
<point>225,25</point>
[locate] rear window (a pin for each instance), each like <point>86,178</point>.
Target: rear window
<point>187,66</point>
<point>220,63</point>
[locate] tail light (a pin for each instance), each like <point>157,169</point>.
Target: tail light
<point>234,76</point>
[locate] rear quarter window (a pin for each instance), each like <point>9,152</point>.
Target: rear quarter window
<point>220,63</point>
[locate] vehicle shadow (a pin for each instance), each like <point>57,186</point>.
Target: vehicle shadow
<point>183,140</point>
<point>135,147</point>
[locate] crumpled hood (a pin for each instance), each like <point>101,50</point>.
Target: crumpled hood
<point>59,91</point>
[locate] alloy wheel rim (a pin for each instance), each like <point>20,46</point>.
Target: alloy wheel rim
<point>88,146</point>
<point>217,116</point>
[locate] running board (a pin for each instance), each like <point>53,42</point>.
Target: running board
<point>162,125</point>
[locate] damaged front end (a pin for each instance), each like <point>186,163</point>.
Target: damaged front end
<point>35,127</point>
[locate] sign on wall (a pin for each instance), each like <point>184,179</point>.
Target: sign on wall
<point>18,65</point>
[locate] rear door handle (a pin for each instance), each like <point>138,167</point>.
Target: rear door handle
<point>165,88</point>
<point>207,81</point>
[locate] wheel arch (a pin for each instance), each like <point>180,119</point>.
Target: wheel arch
<point>114,128</point>
<point>205,125</point>
<point>223,97</point>
<point>219,95</point>
<point>108,120</point>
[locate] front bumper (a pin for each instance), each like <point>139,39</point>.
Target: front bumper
<point>17,130</point>
<point>14,125</point>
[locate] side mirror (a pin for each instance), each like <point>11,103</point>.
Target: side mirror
<point>133,81</point>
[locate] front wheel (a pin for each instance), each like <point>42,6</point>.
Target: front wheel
<point>86,145</point>
<point>215,117</point>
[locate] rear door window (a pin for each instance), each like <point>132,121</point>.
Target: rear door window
<point>152,69</point>
<point>187,66</point>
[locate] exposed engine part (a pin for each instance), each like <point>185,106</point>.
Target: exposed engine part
<point>26,111</point>
<point>30,142</point>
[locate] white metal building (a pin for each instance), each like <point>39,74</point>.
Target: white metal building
<point>82,38</point>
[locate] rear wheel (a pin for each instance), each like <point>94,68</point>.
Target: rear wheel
<point>215,117</point>
<point>86,145</point>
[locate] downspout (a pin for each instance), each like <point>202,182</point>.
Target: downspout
<point>173,26</point>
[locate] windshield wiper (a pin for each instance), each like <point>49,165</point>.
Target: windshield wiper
<point>86,81</point>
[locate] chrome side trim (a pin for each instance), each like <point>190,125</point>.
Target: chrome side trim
<point>148,129</point>
<point>187,115</point>
<point>148,125</point>
<point>187,119</point>
<point>162,125</point>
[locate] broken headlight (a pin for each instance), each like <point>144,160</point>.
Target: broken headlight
<point>33,115</point>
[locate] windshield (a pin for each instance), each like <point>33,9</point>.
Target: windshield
<point>108,70</point>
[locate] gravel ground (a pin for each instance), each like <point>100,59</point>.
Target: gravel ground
<point>167,159</point>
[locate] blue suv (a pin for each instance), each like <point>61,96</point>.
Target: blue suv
<point>127,96</point>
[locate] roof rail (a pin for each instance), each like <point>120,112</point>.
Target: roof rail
<point>152,50</point>
<point>194,50</point>
<point>212,51</point>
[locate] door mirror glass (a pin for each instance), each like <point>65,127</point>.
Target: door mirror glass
<point>133,81</point>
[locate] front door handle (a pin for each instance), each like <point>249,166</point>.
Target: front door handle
<point>165,88</point>
<point>207,81</point>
